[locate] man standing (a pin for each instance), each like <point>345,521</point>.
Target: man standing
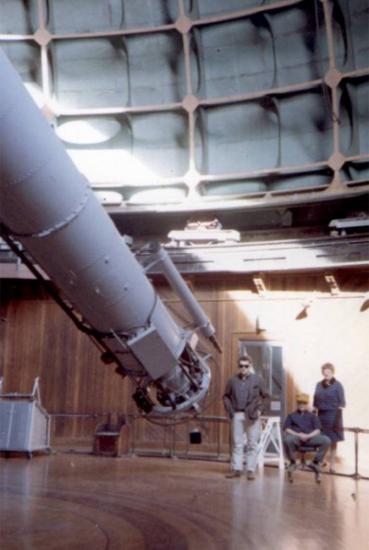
<point>302,427</point>
<point>243,399</point>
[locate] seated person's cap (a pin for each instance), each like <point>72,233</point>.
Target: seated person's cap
<point>302,398</point>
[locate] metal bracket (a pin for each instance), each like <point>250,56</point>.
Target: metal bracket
<point>259,284</point>
<point>36,390</point>
<point>332,283</point>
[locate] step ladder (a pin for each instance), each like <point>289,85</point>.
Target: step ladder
<point>270,447</point>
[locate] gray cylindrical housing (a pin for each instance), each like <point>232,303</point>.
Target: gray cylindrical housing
<point>49,207</point>
<point>179,285</point>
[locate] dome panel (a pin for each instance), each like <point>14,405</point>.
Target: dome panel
<point>354,116</point>
<point>208,8</point>
<point>84,16</point>
<point>127,149</point>
<point>241,137</point>
<point>25,56</point>
<point>155,68</point>
<point>149,13</point>
<point>218,98</point>
<point>156,195</point>
<point>261,51</point>
<point>351,37</point>
<point>276,183</point>
<point>356,173</point>
<point>18,17</point>
<point>306,128</point>
<point>236,57</point>
<point>90,73</point>
<point>267,133</point>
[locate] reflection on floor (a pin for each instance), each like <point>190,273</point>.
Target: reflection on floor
<point>81,501</point>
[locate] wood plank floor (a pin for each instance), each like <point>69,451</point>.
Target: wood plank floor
<point>75,501</point>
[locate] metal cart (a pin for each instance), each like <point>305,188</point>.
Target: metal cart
<point>24,423</point>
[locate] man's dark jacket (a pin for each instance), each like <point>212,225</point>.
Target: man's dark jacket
<point>256,395</point>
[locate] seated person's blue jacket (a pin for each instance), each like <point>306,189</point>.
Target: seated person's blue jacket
<point>302,422</point>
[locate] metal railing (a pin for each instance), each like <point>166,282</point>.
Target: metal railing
<point>356,432</point>
<point>218,450</point>
<point>218,455</point>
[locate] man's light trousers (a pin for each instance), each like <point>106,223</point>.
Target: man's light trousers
<point>252,428</point>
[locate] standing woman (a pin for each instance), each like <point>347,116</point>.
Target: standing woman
<point>329,400</point>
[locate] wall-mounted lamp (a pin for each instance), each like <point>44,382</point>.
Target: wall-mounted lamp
<point>365,304</point>
<point>306,305</point>
<point>259,325</point>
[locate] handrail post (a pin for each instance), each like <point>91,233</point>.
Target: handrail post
<point>219,423</point>
<point>173,450</point>
<point>356,474</point>
<point>133,434</point>
<point>187,438</point>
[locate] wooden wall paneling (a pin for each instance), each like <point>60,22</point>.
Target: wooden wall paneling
<point>39,339</point>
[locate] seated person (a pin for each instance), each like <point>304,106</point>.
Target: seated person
<point>302,427</point>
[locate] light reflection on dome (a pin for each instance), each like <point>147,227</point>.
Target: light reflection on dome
<point>88,132</point>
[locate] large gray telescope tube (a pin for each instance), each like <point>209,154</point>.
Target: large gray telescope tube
<point>48,206</point>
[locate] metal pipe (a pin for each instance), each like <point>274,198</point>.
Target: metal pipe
<point>179,285</point>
